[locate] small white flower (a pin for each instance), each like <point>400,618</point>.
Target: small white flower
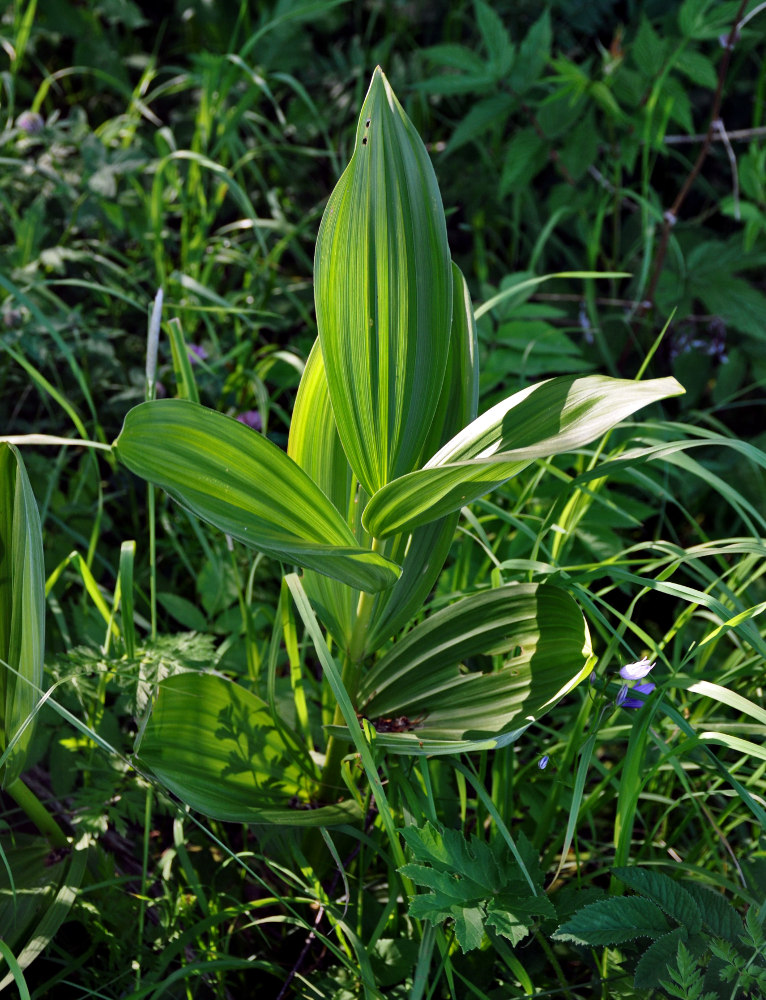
<point>635,671</point>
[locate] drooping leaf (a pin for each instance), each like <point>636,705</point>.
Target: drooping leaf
<point>215,745</point>
<point>239,481</point>
<point>22,610</point>
<point>421,701</point>
<point>550,418</point>
<point>383,293</point>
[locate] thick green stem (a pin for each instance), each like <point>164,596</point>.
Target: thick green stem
<point>37,813</point>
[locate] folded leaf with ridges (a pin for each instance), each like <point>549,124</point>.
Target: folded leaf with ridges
<point>546,419</point>
<point>239,481</point>
<point>214,745</point>
<point>22,609</point>
<point>539,631</point>
<point>383,293</point>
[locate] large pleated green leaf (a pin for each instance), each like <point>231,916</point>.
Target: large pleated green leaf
<point>550,418</point>
<point>239,481</point>
<point>428,685</point>
<point>315,446</point>
<point>22,610</point>
<point>383,292</point>
<point>215,746</point>
<point>422,554</point>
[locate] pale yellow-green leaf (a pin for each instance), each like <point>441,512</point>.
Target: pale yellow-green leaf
<point>550,418</point>
<point>383,292</point>
<point>22,610</point>
<point>215,745</point>
<point>239,481</point>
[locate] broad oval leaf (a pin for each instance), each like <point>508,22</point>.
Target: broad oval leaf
<point>550,418</point>
<point>383,293</point>
<point>539,631</point>
<point>22,610</point>
<point>240,482</point>
<point>215,745</point>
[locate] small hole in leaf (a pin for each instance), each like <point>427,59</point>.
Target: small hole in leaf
<point>367,123</point>
<point>364,141</point>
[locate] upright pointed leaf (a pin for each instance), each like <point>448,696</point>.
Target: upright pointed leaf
<point>383,292</point>
<point>239,481</point>
<point>315,446</point>
<point>22,609</point>
<point>550,418</point>
<point>422,554</point>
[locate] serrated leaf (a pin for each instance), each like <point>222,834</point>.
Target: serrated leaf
<point>480,119</point>
<point>550,418</point>
<point>469,879</point>
<point>668,894</point>
<point>697,68</point>
<point>237,480</point>
<point>22,611</point>
<point>654,962</point>
<point>526,154</point>
<point>451,889</point>
<point>455,57</point>
<point>496,39</point>
<point>737,301</point>
<point>513,915</point>
<point>449,850</point>
<point>613,921</point>
<point>534,53</point>
<point>648,49</point>
<point>383,293</point>
<point>453,84</point>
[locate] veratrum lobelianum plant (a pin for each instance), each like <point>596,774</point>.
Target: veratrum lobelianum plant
<point>385,448</point>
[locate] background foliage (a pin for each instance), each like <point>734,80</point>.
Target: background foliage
<point>195,152</point>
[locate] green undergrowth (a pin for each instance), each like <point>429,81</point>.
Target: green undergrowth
<point>616,849</point>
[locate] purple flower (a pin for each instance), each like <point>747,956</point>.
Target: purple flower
<point>635,671</point>
<point>630,702</point>
<point>197,353</point>
<point>622,694</point>
<point>30,122</point>
<point>251,418</point>
<point>543,762</point>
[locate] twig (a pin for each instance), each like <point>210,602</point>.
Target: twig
<point>671,216</point>
<point>740,133</point>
